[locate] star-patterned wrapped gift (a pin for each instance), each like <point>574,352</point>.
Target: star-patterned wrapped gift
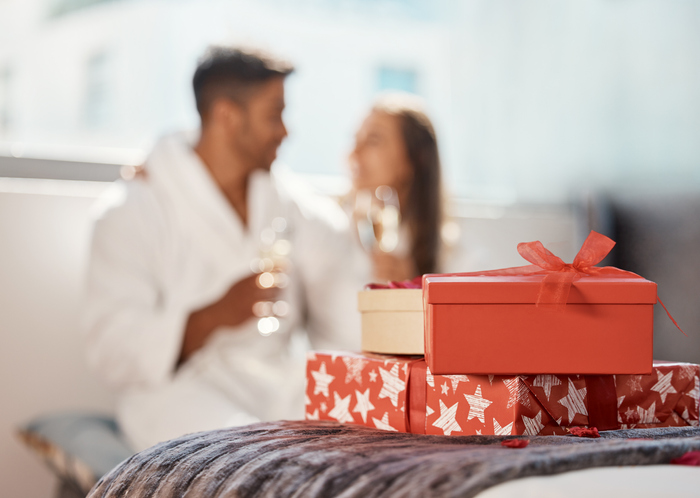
<point>365,389</point>
<point>400,394</point>
<point>549,404</point>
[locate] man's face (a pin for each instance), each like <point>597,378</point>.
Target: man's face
<point>262,129</point>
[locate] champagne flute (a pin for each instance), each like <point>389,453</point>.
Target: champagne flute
<point>378,218</point>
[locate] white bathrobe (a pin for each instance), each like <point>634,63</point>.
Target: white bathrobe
<point>170,244</point>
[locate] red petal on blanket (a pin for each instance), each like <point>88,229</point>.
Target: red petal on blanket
<point>515,443</point>
<point>690,458</point>
<point>584,432</point>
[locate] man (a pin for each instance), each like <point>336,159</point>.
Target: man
<point>169,312</point>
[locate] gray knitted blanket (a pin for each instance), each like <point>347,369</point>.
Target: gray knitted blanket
<point>324,459</point>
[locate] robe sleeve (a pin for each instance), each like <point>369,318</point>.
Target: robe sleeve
<point>324,248</point>
<point>133,331</point>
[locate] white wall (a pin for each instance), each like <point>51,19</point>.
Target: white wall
<point>43,241</point>
<point>489,234</point>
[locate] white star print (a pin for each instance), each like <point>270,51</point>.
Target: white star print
<point>502,431</point>
<point>559,420</point>
<point>686,372</point>
<point>491,379</point>
<point>685,415</point>
<point>695,392</point>
<point>546,382</point>
<point>429,379</point>
<point>631,415</point>
<point>648,416</point>
<point>534,425</point>
<point>324,407</point>
<point>574,401</point>
<point>619,404</point>
<point>455,380</point>
<point>340,410</point>
<point>635,383</point>
<point>363,405</point>
<point>518,392</point>
<point>444,388</point>
<point>354,369</point>
<point>307,400</point>
<point>383,423</point>
<point>446,421</point>
<point>663,385</point>
<point>477,405</point>
<point>312,416</point>
<point>333,357</point>
<point>373,376</point>
<point>478,432</point>
<point>323,379</point>
<point>429,411</point>
<point>391,384</point>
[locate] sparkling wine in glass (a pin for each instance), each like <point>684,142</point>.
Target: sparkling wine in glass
<point>378,218</point>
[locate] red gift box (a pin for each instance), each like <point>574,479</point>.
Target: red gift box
<point>487,325</point>
<point>546,318</point>
<point>549,404</point>
<point>399,393</point>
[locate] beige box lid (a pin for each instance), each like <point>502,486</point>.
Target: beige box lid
<point>390,300</point>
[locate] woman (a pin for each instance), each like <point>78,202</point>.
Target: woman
<point>396,164</point>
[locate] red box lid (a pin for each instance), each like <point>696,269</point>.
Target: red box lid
<point>525,289</point>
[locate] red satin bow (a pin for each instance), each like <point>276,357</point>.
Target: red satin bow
<point>559,275</point>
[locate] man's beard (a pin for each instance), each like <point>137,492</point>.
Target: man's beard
<point>257,157</point>
<point>266,156</point>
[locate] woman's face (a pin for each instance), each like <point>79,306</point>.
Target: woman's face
<point>380,157</point>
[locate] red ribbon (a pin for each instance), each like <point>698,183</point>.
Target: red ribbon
<point>558,276</point>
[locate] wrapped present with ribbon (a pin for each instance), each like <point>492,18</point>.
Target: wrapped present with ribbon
<point>548,317</point>
<point>548,404</point>
<point>399,393</point>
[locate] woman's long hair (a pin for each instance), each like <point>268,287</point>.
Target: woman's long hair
<point>422,211</point>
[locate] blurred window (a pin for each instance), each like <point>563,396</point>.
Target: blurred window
<point>404,80</point>
<point>61,7</point>
<point>532,101</point>
<point>98,97</point>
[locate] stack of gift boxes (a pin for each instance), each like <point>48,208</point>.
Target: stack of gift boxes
<point>488,354</point>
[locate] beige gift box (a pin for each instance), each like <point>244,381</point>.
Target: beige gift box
<point>392,321</point>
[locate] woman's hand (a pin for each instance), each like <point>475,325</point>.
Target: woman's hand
<point>390,267</point>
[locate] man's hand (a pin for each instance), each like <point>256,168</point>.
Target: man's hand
<point>389,267</point>
<point>234,308</point>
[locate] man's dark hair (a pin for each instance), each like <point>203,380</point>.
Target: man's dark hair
<point>232,72</point>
